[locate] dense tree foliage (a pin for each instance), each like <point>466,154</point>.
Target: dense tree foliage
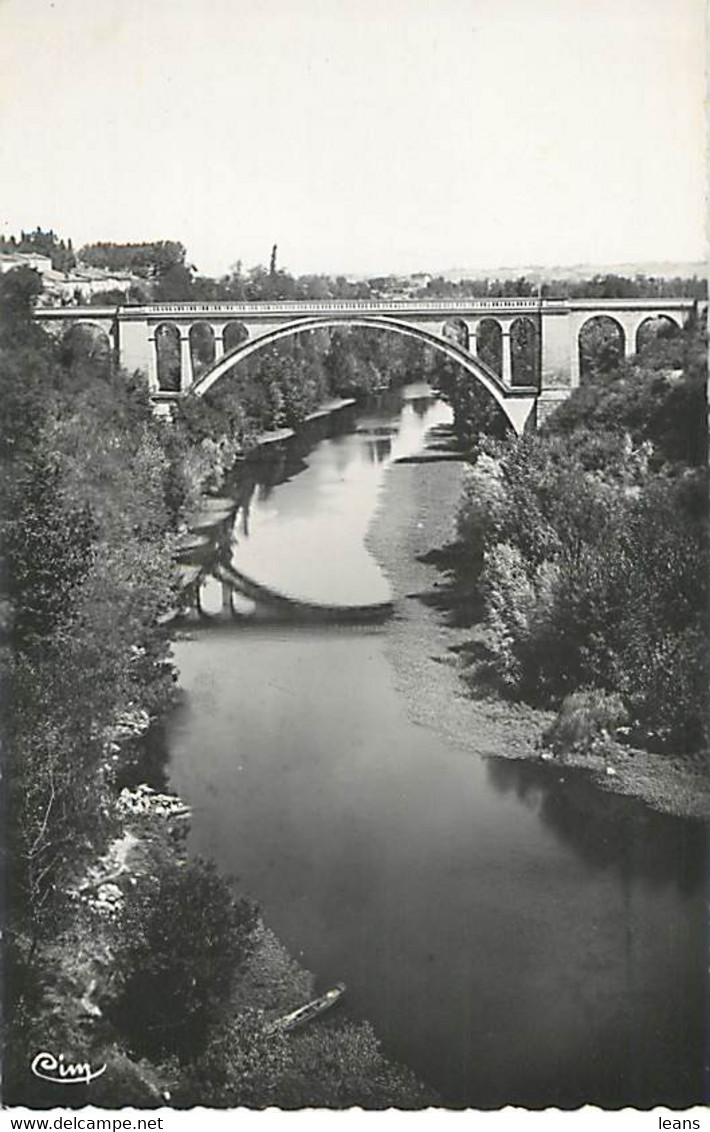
<point>589,542</point>
<point>152,260</point>
<point>87,580</point>
<point>186,936</point>
<point>86,577</point>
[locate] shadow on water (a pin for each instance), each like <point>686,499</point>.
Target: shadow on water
<point>608,831</point>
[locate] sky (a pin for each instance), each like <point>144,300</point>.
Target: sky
<point>359,135</point>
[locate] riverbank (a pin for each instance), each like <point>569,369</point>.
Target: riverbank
<point>416,518</point>
<point>334,1063</point>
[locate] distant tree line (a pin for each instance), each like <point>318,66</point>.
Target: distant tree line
<point>167,276</point>
<point>608,286</point>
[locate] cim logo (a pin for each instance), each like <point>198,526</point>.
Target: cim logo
<point>60,1072</point>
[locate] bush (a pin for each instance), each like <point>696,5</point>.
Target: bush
<point>510,600</point>
<point>242,1064</point>
<point>482,506</point>
<point>186,936</point>
<point>338,1066</point>
<point>585,719</point>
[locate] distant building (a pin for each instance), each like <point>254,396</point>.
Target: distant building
<point>38,262</point>
<point>81,284</point>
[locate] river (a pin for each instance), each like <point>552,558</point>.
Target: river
<point>515,936</point>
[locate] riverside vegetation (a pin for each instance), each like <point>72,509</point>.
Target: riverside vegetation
<point>121,950</point>
<point>583,549</point>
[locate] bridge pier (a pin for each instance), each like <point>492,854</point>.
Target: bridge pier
<point>186,376</point>
<point>472,327</point>
<point>507,356</point>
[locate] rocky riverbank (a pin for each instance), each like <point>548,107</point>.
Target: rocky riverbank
<point>414,523</point>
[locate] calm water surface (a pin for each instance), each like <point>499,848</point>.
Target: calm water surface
<point>515,937</point>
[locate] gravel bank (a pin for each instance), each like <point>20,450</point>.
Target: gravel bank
<point>417,515</point>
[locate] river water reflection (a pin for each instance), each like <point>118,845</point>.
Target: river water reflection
<point>514,937</point>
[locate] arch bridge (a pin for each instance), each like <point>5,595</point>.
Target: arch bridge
<point>208,339</point>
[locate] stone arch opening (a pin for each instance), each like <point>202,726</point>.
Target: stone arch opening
<point>167,346</point>
<point>656,328</point>
<point>524,352</point>
<point>601,345</point>
<point>516,409</point>
<point>489,344</point>
<point>88,342</point>
<point>202,347</point>
<point>457,330</point>
<point>235,333</point>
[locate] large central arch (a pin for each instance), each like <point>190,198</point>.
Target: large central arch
<point>515,403</point>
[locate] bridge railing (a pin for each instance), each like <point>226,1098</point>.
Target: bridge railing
<point>331,306</point>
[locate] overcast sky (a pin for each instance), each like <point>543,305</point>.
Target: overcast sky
<point>361,135</point>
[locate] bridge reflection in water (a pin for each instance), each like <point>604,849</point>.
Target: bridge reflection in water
<point>292,544</point>
<point>242,597</point>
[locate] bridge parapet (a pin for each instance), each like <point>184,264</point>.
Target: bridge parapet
<point>306,308</point>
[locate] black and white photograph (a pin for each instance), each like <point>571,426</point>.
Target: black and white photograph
<point>354,592</point>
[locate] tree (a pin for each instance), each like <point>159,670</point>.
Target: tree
<point>48,549</point>
<point>187,935</point>
<point>173,284</point>
<point>148,260</point>
<point>19,291</point>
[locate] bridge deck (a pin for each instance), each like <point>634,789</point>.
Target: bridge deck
<point>302,308</point>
